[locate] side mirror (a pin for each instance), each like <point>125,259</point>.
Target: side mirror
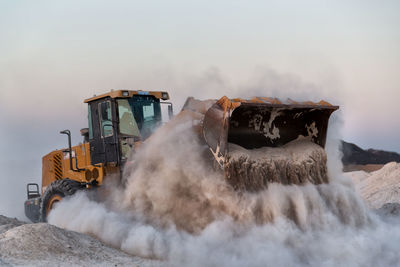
<point>170,111</point>
<point>85,134</point>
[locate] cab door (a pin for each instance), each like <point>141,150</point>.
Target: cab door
<point>103,132</point>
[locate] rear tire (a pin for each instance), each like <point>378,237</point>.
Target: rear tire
<point>54,193</point>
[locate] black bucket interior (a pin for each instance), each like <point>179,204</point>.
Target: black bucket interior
<point>255,126</point>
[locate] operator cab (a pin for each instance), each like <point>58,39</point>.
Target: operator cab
<point>120,119</point>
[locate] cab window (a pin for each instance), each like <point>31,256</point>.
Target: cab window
<point>148,112</point>
<point>127,122</point>
<point>105,119</point>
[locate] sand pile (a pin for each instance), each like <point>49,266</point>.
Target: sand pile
<point>47,245</point>
<point>7,223</point>
<point>379,187</point>
<point>297,162</point>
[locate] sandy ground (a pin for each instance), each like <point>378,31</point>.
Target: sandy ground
<point>43,244</point>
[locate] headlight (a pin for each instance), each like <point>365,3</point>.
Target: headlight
<point>164,96</point>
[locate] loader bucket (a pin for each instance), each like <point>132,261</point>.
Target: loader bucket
<point>260,123</point>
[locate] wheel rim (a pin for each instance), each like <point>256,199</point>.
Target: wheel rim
<point>53,200</point>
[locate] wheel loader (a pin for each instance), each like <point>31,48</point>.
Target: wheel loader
<point>121,120</point>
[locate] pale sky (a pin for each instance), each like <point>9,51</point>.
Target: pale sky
<point>54,54</point>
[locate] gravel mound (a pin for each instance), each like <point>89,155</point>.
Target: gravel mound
<point>8,223</point>
<point>43,244</point>
<point>379,187</point>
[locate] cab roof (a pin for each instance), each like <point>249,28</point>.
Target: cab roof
<point>128,94</point>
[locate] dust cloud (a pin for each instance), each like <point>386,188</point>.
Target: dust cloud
<point>175,207</point>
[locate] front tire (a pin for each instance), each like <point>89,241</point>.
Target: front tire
<point>54,193</point>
